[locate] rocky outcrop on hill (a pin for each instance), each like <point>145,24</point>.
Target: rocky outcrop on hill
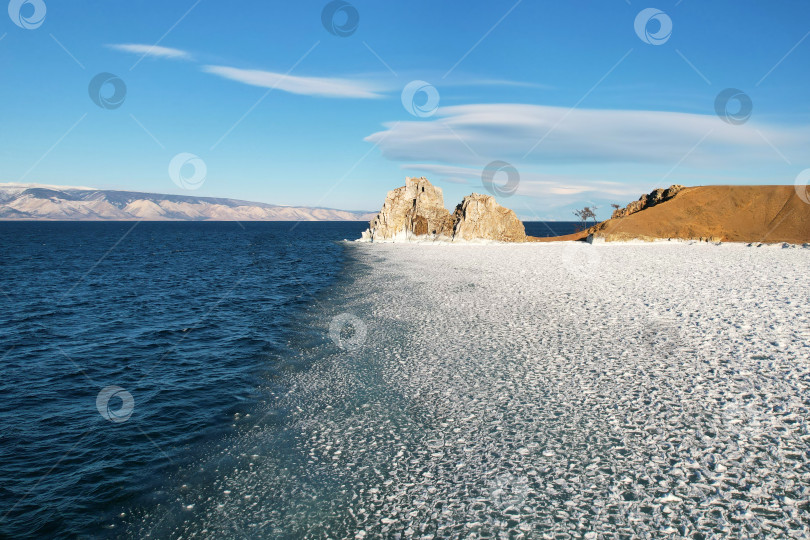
<point>754,214</point>
<point>480,217</point>
<point>657,196</point>
<point>416,211</point>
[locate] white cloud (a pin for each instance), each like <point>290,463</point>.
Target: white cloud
<point>518,133</point>
<point>493,82</point>
<point>447,173</point>
<point>362,86</point>
<point>309,86</point>
<point>532,184</point>
<point>154,51</point>
<point>590,156</point>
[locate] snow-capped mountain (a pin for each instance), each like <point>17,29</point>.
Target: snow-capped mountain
<point>44,202</point>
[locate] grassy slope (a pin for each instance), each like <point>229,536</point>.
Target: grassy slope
<point>723,213</point>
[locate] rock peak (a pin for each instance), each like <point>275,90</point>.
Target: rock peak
<point>480,217</point>
<point>416,211</point>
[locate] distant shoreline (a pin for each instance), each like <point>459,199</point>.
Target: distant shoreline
<point>34,202</point>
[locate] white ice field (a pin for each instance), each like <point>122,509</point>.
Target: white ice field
<point>557,390</point>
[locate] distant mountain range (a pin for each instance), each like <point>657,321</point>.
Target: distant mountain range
<point>52,203</point>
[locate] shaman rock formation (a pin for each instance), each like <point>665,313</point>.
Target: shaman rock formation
<point>416,211</point>
<point>479,217</point>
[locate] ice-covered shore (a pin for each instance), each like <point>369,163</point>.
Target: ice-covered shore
<point>550,390</point>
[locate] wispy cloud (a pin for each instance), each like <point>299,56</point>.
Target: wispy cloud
<point>557,193</point>
<point>333,87</point>
<point>361,86</point>
<point>446,173</point>
<point>476,134</point>
<point>468,81</point>
<point>309,86</point>
<point>154,51</point>
<point>590,155</point>
<point>532,184</point>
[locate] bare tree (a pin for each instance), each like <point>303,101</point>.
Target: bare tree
<point>585,214</point>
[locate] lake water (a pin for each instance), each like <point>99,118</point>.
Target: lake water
<point>135,357</point>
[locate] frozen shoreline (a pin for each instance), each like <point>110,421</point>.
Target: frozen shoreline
<point>407,238</point>
<point>655,388</point>
<point>542,389</point>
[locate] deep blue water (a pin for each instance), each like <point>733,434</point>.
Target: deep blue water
<point>552,228</point>
<point>189,319</point>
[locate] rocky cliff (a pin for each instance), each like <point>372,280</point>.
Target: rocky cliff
<point>416,211</point>
<point>479,217</point>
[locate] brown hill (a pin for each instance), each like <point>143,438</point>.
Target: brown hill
<point>768,214</point>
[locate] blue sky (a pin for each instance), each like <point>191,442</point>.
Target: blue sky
<point>280,110</point>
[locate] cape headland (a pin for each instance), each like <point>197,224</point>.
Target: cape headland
<point>751,214</point>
